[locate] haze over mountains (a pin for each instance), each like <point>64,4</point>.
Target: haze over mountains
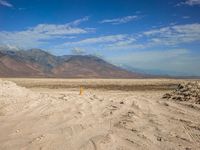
<point>39,63</point>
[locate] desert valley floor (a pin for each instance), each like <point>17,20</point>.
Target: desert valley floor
<point>49,114</point>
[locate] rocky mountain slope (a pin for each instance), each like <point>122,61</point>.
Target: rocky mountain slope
<point>39,63</point>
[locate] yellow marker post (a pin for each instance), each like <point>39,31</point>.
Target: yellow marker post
<point>81,90</point>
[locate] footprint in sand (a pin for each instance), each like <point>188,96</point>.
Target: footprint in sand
<point>38,139</point>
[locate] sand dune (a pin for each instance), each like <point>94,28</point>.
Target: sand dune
<point>61,119</point>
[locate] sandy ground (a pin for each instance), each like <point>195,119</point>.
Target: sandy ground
<point>100,119</point>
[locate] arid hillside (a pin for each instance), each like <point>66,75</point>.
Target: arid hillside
<point>38,63</point>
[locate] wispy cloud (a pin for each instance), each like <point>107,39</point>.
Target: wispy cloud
<point>189,2</point>
<point>169,36</point>
<point>9,47</point>
<point>122,20</point>
<point>100,39</point>
<point>186,17</point>
<point>52,29</point>
<point>173,35</point>
<point>107,42</point>
<point>79,21</point>
<point>5,3</point>
<point>41,33</point>
<point>129,42</point>
<point>78,51</point>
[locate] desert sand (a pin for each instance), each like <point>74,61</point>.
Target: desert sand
<point>49,114</point>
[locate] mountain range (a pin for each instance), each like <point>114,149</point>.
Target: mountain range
<point>39,63</point>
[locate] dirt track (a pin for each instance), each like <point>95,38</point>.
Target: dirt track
<point>99,119</point>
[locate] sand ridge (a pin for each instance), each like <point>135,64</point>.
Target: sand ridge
<point>97,120</point>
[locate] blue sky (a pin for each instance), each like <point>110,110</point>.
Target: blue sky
<point>143,34</point>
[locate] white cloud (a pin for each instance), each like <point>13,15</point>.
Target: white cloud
<point>52,29</point>
<point>107,42</point>
<point>5,3</point>
<point>41,33</point>
<point>186,17</point>
<point>189,2</point>
<point>174,35</point>
<point>9,47</point>
<point>122,20</point>
<point>170,36</point>
<point>101,39</point>
<point>78,51</point>
<point>131,46</point>
<point>192,2</point>
<point>128,43</point>
<point>78,21</point>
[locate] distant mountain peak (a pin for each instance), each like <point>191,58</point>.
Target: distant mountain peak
<point>36,50</point>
